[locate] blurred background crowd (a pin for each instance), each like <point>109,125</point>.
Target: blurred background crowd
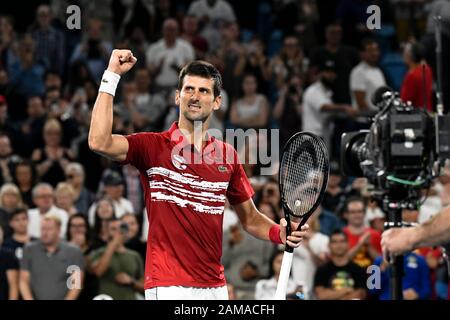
<point>290,65</point>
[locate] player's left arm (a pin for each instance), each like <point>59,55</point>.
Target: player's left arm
<point>259,225</point>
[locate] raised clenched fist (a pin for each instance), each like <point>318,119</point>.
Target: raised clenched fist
<point>121,61</point>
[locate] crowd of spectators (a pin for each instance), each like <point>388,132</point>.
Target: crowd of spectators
<point>287,65</point>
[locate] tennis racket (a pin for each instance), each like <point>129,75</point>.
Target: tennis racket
<point>303,178</point>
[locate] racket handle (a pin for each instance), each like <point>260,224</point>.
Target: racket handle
<point>285,271</point>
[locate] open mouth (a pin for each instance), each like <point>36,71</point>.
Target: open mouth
<point>194,107</point>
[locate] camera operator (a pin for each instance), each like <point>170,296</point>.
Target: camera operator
<point>435,231</point>
<point>120,270</point>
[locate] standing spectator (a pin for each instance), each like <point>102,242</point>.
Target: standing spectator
<point>366,77</point>
<point>53,158</point>
<point>43,197</point>
<point>75,177</point>
<point>346,59</point>
<point>93,51</point>
<point>114,189</point>
<point>132,237</point>
<point>364,242</point>
<point>133,186</point>
<point>191,34</point>
<point>25,179</point>
<point>166,57</point>
<point>49,41</point>
<point>311,255</point>
<point>10,200</point>
<point>318,104</point>
<point>27,75</point>
<point>18,221</point>
<point>290,61</point>
<point>266,288</point>
<point>45,265</point>
<point>8,43</point>
<point>339,279</point>
<point>120,270</point>
<point>148,110</point>
<point>252,109</point>
<point>419,74</point>
<point>416,278</point>
<point>8,273</point>
<point>288,108</point>
<point>211,11</point>
<point>65,198</point>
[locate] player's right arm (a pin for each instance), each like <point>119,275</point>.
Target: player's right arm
<point>101,140</point>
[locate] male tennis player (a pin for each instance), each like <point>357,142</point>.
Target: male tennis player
<point>184,200</point>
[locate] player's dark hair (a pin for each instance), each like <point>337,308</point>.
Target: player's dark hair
<point>201,69</point>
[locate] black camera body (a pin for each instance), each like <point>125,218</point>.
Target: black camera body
<point>405,146</point>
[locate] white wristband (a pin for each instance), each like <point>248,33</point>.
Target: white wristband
<point>109,82</point>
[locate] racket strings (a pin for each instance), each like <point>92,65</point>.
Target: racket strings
<point>304,164</point>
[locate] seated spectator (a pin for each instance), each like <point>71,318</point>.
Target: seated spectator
<point>246,260</point>
<point>114,190</point>
<point>211,11</point>
<point>340,278</point>
<point>334,194</point>
<point>9,269</point>
<point>43,197</point>
<point>364,242</point>
<point>191,34</point>
<point>416,278</point>
<point>251,110</point>
<point>18,221</point>
<point>120,270</point>
<point>65,198</point>
<point>375,217</point>
<point>45,264</point>
<point>309,256</point>
<point>366,77</point>
<point>10,200</point>
<point>7,159</point>
<point>266,288</point>
<point>132,237</point>
<point>328,221</point>
<point>75,176</point>
<point>33,127</point>
<point>53,158</point>
<point>25,178</point>
<point>104,211</point>
<point>413,89</point>
<point>8,125</point>
<point>78,234</point>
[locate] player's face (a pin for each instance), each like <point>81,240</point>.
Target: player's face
<point>196,98</point>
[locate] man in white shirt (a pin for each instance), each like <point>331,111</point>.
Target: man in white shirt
<point>366,77</point>
<point>318,105</point>
<point>168,55</point>
<point>43,198</point>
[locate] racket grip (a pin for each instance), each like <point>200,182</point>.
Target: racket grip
<point>285,271</point>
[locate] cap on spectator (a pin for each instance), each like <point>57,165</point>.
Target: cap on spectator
<point>327,65</point>
<point>112,178</point>
<point>2,100</point>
